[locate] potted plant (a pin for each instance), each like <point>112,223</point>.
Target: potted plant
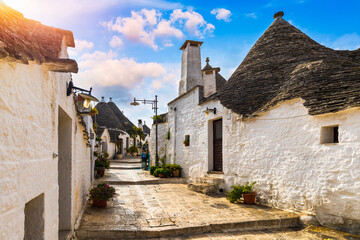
<point>175,170</point>
<point>99,168</point>
<point>133,150</point>
<point>162,172</point>
<point>245,191</point>
<point>101,194</point>
<point>186,142</point>
<point>248,194</point>
<point>101,163</point>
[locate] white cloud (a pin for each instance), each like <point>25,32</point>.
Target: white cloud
<point>193,22</point>
<point>251,15</point>
<point>80,46</point>
<point>221,14</point>
<point>105,69</point>
<point>57,12</point>
<point>146,26</point>
<point>116,42</point>
<point>349,41</point>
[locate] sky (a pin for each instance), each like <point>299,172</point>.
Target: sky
<point>130,48</point>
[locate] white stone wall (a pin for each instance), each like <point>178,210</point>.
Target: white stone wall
<point>162,142</point>
<point>209,83</point>
<point>281,151</point>
<point>30,97</point>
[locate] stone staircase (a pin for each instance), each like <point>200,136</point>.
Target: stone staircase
<point>207,185</point>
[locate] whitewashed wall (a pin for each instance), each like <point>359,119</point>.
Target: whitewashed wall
<point>162,142</point>
<point>281,151</point>
<point>30,97</point>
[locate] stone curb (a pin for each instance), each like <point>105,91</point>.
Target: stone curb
<point>256,225</point>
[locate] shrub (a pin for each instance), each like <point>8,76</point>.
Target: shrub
<point>238,190</point>
<point>152,169</point>
<point>102,191</point>
<point>133,149</point>
<point>156,172</point>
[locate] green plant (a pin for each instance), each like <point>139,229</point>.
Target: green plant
<point>174,167</point>
<point>102,192</point>
<point>152,169</point>
<point>98,139</point>
<point>156,116</point>
<point>186,142</point>
<point>93,110</point>
<point>156,172</point>
<point>237,191</point>
<point>248,187</point>
<point>168,135</point>
<point>102,160</point>
<point>163,171</point>
<point>133,149</point>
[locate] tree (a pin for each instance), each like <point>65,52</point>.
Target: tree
<point>134,132</point>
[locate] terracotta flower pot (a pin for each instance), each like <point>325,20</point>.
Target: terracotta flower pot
<point>100,171</point>
<point>99,203</point>
<point>176,173</point>
<point>249,198</point>
<point>162,175</point>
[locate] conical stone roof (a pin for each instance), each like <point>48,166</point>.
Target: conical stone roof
<point>285,64</point>
<point>107,118</point>
<point>124,121</point>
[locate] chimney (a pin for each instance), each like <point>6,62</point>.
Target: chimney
<point>190,66</point>
<point>140,124</point>
<point>209,78</point>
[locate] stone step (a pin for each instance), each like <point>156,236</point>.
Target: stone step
<point>204,188</point>
<point>174,231</point>
<point>125,161</point>
<point>210,180</point>
<point>144,182</point>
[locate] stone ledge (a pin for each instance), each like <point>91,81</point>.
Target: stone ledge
<point>92,233</point>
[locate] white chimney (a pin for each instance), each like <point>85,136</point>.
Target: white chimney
<point>190,66</point>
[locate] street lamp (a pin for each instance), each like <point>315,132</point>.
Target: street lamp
<point>155,108</point>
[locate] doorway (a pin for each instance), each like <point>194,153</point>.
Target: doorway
<point>64,170</point>
<point>34,218</point>
<point>217,146</point>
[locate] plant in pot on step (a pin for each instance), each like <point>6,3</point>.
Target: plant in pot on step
<point>101,194</point>
<point>101,163</point>
<point>162,172</point>
<point>175,170</point>
<point>248,193</point>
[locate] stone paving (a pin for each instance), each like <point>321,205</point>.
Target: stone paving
<point>161,210</point>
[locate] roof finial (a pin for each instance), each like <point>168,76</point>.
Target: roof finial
<point>278,15</point>
<point>207,60</point>
<point>102,99</point>
<point>110,99</point>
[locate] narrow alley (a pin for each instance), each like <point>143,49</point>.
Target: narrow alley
<point>148,207</point>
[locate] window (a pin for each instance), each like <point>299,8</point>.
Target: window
<point>329,134</point>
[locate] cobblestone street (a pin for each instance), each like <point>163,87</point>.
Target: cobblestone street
<point>148,207</point>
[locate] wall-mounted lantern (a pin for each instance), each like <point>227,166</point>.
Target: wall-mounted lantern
<point>84,98</point>
<point>210,110</point>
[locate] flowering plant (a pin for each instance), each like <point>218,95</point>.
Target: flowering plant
<point>102,192</point>
<point>102,160</point>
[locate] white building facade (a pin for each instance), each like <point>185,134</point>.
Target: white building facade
<point>303,155</point>
<point>45,155</point>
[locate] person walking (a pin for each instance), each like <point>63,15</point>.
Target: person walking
<point>143,160</point>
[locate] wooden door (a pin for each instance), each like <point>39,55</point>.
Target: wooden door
<point>217,141</point>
